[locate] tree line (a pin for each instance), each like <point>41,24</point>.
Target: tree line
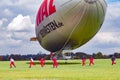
<point>77,55</point>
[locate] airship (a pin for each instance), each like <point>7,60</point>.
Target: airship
<point>68,24</point>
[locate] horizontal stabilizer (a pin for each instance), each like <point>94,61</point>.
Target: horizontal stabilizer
<point>33,39</point>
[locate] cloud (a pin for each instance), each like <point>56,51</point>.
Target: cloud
<point>17,19</point>
<point>113,10</point>
<point>108,37</point>
<point>18,31</point>
<point>28,5</point>
<point>11,8</point>
<point>20,23</point>
<point>21,28</point>
<point>13,43</point>
<point>7,12</point>
<point>2,21</point>
<point>111,23</point>
<point>3,2</point>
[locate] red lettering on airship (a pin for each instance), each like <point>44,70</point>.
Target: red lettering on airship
<point>46,9</point>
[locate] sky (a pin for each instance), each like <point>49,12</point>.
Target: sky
<point>17,25</point>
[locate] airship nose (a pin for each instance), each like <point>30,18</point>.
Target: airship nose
<point>90,1</point>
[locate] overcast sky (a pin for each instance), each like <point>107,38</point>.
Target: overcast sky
<point>17,25</point>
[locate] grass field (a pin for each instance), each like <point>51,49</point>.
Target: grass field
<point>102,70</point>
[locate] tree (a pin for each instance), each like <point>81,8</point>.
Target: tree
<point>99,55</point>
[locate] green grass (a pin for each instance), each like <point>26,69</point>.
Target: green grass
<point>102,70</point>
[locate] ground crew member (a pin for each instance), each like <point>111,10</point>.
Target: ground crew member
<point>83,60</point>
<point>42,62</point>
<point>12,62</point>
<point>113,60</point>
<point>55,63</point>
<point>91,61</point>
<point>31,62</point>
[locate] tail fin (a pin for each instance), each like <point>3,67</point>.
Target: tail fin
<point>33,39</point>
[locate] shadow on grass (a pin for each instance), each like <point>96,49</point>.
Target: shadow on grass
<point>60,63</point>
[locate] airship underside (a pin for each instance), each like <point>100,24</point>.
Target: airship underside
<point>68,24</point>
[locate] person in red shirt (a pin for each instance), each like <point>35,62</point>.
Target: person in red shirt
<point>83,60</point>
<point>31,62</point>
<point>55,63</point>
<point>42,62</point>
<point>12,62</point>
<point>91,61</point>
<point>113,60</point>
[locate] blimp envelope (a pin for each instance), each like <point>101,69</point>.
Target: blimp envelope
<point>68,24</point>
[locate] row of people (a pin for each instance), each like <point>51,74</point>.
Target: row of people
<point>42,62</point>
<point>55,63</point>
<point>91,60</point>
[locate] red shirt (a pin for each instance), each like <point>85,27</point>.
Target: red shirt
<point>42,60</point>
